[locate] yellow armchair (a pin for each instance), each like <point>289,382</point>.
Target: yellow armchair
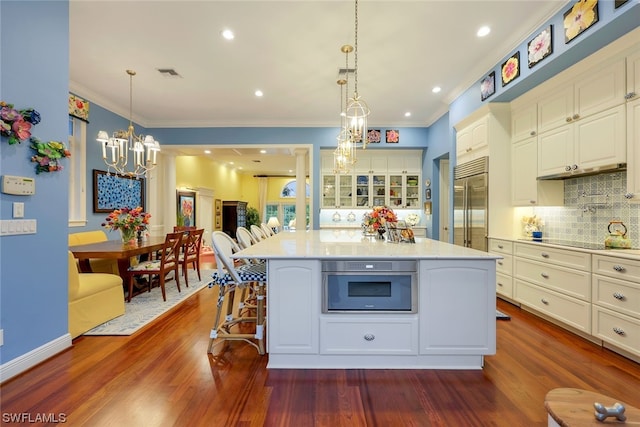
<point>97,265</point>
<point>94,298</point>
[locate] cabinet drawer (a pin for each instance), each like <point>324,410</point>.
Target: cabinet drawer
<point>620,268</point>
<point>369,335</point>
<point>617,329</point>
<point>500,246</point>
<point>505,265</point>
<point>617,295</point>
<point>572,311</point>
<point>504,285</point>
<point>566,280</point>
<point>546,254</point>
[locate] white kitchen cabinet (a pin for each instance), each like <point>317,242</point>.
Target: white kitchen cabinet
<point>616,302</point>
<point>337,191</point>
<point>633,76</point>
<point>524,122</point>
<point>526,189</point>
<point>581,145</point>
<point>293,307</point>
<point>369,162</point>
<point>596,90</point>
<point>371,190</point>
<point>471,290</point>
<point>472,141</point>
<point>504,267</point>
<point>404,191</point>
<point>405,162</point>
<point>633,150</point>
<point>555,282</point>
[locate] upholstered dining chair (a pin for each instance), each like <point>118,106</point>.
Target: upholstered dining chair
<point>229,278</point>
<point>190,253</point>
<point>167,262</point>
<point>268,231</point>
<point>257,233</point>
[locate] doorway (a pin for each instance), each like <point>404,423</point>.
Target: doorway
<point>443,211</point>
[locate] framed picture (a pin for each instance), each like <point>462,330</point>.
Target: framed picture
<point>427,208</point>
<point>112,191</point>
<point>186,208</point>
<point>579,18</point>
<point>218,207</point>
<point>79,108</point>
<point>540,46</point>
<point>510,69</point>
<point>619,3</point>
<point>373,136</point>
<point>393,136</point>
<point>488,86</point>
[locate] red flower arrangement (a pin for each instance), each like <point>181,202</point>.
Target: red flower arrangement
<point>379,217</point>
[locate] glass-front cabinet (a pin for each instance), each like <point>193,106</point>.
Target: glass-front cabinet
<point>404,190</point>
<point>337,191</point>
<point>370,190</point>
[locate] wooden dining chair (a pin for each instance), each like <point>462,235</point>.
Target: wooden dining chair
<point>190,253</point>
<point>167,262</point>
<point>230,277</point>
<point>183,228</point>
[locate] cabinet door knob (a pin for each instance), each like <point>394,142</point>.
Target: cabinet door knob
<point>500,247</point>
<point>628,196</point>
<point>532,133</point>
<point>619,331</point>
<point>499,262</point>
<point>619,296</point>
<point>544,255</point>
<point>630,95</point>
<point>576,116</point>
<point>544,301</point>
<point>619,268</point>
<point>574,167</point>
<point>369,337</point>
<point>568,119</point>
<point>500,284</point>
<point>545,275</point>
<point>567,168</point>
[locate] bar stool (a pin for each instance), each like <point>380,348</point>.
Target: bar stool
<point>229,278</point>
<point>257,233</point>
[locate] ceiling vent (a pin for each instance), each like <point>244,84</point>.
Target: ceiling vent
<point>169,72</point>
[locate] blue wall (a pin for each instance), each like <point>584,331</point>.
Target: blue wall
<point>34,57</point>
<point>34,64</point>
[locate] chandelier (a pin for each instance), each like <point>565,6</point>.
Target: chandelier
<point>357,110</point>
<point>115,149</point>
<point>345,154</point>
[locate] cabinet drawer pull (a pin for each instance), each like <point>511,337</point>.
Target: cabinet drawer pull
<point>500,284</point>
<point>545,275</point>
<point>499,262</point>
<point>619,331</point>
<point>544,255</point>
<point>628,196</point>
<point>369,337</point>
<point>500,247</point>
<point>544,301</point>
<point>619,268</point>
<point>630,95</point>
<point>619,296</point>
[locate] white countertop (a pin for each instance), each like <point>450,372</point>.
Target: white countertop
<point>633,254</point>
<point>331,244</point>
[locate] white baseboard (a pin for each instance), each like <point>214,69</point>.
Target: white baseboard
<point>32,358</point>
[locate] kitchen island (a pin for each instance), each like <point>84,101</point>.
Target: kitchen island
<point>451,324</point>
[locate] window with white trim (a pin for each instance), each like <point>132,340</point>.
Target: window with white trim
<point>77,172</point>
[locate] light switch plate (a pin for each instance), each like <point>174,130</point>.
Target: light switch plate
<point>18,210</point>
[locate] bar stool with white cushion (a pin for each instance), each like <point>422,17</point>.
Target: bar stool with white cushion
<point>229,278</point>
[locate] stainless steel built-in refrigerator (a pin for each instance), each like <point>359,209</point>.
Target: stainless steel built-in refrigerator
<point>470,204</point>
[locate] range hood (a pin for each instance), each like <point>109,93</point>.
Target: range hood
<point>574,173</point>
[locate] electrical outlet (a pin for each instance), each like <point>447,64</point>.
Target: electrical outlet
<point>1,337</point>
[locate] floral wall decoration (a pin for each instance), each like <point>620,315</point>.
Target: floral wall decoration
<point>16,124</point>
<point>581,16</point>
<point>511,69</point>
<point>540,46</point>
<point>373,136</point>
<point>48,155</point>
<point>78,108</point>
<point>488,86</point>
<point>393,136</point>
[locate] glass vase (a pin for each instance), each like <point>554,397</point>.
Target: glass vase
<point>127,235</point>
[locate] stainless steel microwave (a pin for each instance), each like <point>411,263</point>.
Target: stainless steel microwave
<point>369,287</point>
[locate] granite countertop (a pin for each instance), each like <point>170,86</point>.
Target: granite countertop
<point>352,244</point>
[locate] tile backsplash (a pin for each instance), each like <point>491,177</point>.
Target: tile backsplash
<point>590,203</point>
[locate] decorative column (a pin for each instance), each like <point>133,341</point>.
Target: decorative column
<point>168,193</point>
<point>301,186</point>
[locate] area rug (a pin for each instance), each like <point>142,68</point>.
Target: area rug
<point>501,316</point>
<point>148,306</point>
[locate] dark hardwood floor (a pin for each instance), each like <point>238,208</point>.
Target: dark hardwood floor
<point>162,376</point>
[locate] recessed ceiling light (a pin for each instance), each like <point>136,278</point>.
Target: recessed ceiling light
<point>258,93</point>
<point>207,151</point>
<point>407,114</point>
<point>436,89</point>
<point>230,163</point>
<point>228,34</point>
<point>483,31</point>
<point>263,151</point>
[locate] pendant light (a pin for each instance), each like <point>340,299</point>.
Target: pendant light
<point>357,109</point>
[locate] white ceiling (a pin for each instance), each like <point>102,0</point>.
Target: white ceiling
<point>291,51</point>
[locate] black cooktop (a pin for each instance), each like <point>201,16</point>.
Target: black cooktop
<point>572,243</point>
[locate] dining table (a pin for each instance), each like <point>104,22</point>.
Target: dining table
<point>116,249</point>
